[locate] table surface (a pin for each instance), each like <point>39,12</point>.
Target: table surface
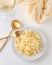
<point>7,57</point>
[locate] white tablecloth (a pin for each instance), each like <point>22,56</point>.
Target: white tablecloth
<point>7,57</point>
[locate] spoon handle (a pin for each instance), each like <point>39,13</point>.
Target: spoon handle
<point>7,38</point>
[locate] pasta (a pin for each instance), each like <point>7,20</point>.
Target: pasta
<point>28,43</point>
<point>38,10</point>
<point>6,5</point>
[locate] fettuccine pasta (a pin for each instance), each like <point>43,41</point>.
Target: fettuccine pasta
<point>28,43</point>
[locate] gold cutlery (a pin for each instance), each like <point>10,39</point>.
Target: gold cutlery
<point>15,25</point>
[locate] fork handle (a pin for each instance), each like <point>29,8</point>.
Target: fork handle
<point>1,48</point>
<point>4,37</point>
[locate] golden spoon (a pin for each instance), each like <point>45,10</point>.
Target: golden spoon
<point>15,25</point>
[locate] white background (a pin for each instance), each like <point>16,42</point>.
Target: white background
<point>7,57</point>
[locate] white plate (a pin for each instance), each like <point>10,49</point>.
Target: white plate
<point>34,57</point>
